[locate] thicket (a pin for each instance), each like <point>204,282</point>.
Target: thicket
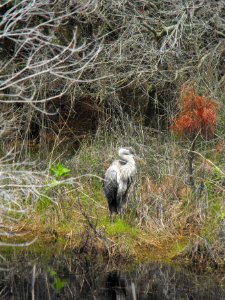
<point>66,66</point>
<point>90,76</point>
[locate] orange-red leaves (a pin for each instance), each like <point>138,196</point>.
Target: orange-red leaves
<point>198,114</point>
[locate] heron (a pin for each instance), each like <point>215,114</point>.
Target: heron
<point>118,179</point>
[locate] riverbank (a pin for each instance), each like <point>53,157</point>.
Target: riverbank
<point>120,250</point>
<point>118,241</point>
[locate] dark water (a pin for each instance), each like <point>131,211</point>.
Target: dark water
<point>72,277</point>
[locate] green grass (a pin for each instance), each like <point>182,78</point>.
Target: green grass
<point>119,227</point>
<point>178,248</point>
<point>215,212</point>
<point>43,204</point>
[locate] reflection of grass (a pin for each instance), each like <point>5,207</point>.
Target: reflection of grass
<point>58,282</point>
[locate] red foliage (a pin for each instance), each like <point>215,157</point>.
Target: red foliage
<point>198,114</point>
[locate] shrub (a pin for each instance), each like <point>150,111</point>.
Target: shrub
<point>198,114</point>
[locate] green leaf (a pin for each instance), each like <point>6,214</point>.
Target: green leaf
<point>59,170</point>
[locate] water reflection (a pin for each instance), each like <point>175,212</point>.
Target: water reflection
<point>119,288</point>
<point>72,277</point>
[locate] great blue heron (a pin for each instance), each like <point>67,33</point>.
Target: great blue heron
<point>118,179</point>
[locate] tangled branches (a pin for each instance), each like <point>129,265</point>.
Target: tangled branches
<point>39,62</point>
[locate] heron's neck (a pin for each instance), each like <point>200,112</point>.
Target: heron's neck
<point>128,159</point>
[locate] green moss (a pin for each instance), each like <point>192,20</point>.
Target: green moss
<point>119,227</point>
<point>178,248</point>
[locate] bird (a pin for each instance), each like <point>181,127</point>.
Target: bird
<point>118,179</point>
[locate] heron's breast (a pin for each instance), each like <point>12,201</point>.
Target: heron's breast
<point>128,171</point>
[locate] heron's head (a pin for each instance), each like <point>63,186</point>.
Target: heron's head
<point>126,151</point>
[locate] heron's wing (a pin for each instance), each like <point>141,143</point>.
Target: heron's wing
<point>111,185</point>
<point>129,181</point>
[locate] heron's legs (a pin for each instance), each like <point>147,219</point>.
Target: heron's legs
<point>111,218</point>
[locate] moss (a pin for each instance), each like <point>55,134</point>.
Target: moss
<point>119,228</point>
<point>178,248</point>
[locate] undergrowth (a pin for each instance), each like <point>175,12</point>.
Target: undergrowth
<point>162,214</point>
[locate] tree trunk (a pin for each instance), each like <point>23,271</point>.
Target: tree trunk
<point>191,156</point>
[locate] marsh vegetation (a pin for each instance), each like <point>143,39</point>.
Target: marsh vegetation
<point>80,80</point>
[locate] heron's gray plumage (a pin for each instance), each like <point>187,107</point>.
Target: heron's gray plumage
<point>118,179</point>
